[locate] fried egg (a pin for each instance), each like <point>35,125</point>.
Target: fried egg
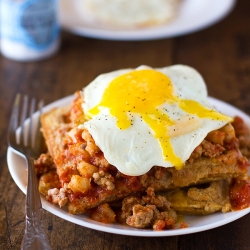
<point>129,14</point>
<point>147,117</point>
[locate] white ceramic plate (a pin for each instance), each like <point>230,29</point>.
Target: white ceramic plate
<point>194,15</point>
<point>195,223</point>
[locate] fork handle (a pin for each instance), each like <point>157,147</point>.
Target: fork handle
<point>34,236</point>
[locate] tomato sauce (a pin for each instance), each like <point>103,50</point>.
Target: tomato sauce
<point>132,182</point>
<point>240,194</point>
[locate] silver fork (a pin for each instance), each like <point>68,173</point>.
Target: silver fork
<point>30,148</point>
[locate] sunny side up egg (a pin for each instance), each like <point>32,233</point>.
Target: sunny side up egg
<point>147,117</point>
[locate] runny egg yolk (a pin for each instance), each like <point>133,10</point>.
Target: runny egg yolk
<point>142,93</point>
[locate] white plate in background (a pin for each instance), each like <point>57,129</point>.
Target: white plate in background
<point>194,15</point>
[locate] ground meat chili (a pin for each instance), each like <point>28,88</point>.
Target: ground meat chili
<point>76,157</point>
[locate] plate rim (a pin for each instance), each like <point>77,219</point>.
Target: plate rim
<point>114,228</point>
<point>160,32</point>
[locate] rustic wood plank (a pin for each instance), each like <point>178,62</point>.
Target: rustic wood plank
<point>5,236</point>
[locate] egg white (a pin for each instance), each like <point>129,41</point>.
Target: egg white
<point>135,150</point>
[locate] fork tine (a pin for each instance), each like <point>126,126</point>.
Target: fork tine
<point>39,139</point>
<point>14,119</point>
<point>24,114</point>
<point>30,125</point>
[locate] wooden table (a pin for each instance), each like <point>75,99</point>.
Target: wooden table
<point>220,53</point>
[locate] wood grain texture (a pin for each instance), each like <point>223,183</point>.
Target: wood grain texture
<point>5,239</point>
<point>221,53</point>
